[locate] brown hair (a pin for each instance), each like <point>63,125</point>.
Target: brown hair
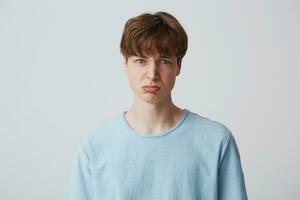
<point>148,34</point>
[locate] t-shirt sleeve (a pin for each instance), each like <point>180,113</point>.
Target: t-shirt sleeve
<point>80,182</point>
<point>231,182</point>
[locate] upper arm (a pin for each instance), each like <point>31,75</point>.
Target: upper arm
<point>231,182</point>
<point>80,183</point>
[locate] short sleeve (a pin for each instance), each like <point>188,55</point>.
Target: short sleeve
<point>231,182</point>
<point>80,182</point>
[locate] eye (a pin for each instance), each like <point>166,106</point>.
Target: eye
<point>140,61</point>
<point>164,61</point>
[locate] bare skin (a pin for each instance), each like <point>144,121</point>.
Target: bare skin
<point>152,112</point>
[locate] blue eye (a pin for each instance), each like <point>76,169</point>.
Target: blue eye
<point>164,61</point>
<point>138,61</point>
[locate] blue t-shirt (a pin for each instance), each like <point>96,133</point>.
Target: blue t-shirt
<point>197,158</point>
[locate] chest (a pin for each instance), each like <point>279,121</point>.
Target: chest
<point>137,170</point>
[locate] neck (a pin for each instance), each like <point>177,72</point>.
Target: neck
<point>153,118</point>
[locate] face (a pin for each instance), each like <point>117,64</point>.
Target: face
<point>152,71</point>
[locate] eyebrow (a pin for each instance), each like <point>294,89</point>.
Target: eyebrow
<point>166,58</point>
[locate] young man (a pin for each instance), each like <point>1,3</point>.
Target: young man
<point>156,150</point>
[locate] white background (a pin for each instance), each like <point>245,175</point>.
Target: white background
<point>61,76</point>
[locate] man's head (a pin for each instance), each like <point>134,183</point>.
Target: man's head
<point>153,46</point>
<point>151,34</point>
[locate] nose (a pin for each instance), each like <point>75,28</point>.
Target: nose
<point>152,72</point>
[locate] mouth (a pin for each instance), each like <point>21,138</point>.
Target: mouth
<point>151,89</point>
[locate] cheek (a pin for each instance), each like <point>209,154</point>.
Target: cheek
<point>134,79</point>
<point>169,80</point>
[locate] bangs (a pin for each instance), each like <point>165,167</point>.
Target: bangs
<point>154,42</point>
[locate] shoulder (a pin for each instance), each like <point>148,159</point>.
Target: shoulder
<point>208,129</point>
<point>101,136</point>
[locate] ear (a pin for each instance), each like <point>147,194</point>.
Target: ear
<point>125,64</point>
<point>178,68</point>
